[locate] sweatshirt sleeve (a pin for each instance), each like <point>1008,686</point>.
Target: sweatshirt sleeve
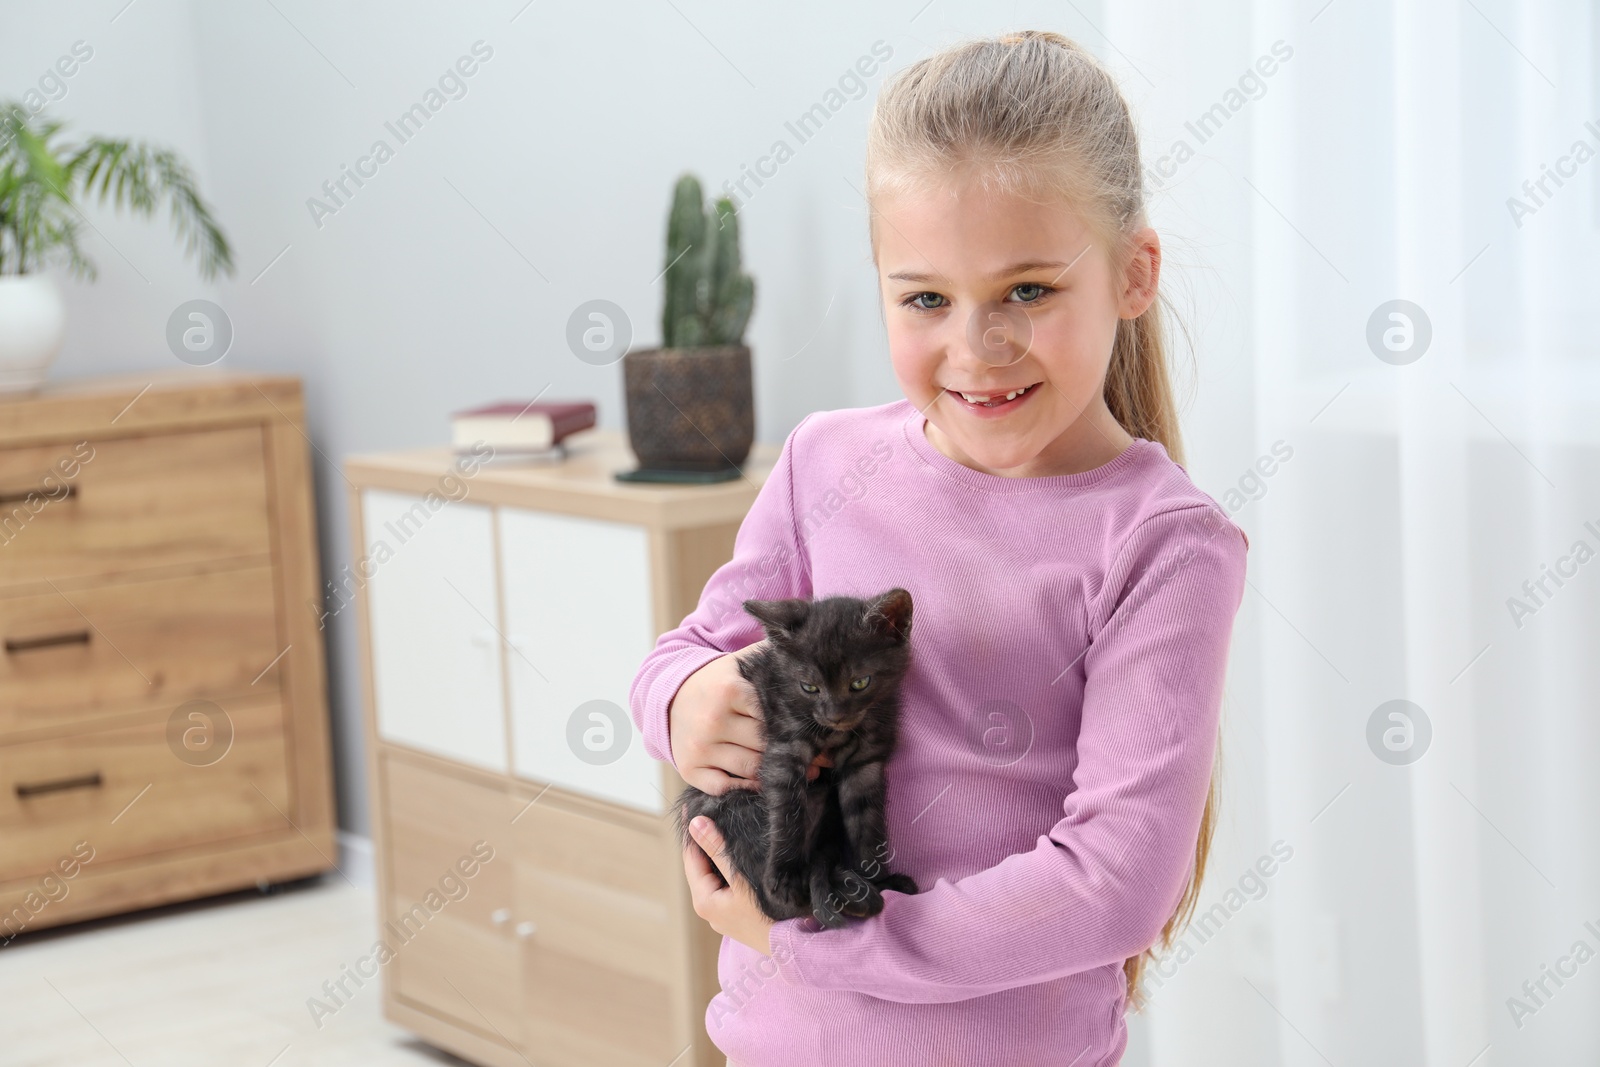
<point>767,564</point>
<point>1101,884</point>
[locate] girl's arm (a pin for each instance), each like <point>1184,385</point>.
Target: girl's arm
<point>768,564</point>
<point>1102,883</point>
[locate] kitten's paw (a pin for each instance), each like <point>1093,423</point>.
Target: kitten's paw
<point>900,883</point>
<point>857,896</point>
<point>789,887</point>
<point>828,902</point>
<point>839,894</point>
<point>829,916</point>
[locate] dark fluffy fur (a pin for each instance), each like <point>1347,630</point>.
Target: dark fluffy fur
<point>818,848</point>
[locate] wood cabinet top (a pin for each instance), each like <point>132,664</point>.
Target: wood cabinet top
<point>123,405</point>
<point>582,484</point>
<point>144,402</point>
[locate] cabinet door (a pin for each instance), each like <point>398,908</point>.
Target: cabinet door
<point>449,866</point>
<point>579,622</point>
<point>430,584</point>
<point>602,979</point>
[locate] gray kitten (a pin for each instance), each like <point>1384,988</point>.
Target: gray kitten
<point>828,682</point>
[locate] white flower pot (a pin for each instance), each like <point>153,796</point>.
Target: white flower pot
<point>33,323</point>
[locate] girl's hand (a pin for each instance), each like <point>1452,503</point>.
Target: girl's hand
<point>714,726</point>
<point>730,909</point>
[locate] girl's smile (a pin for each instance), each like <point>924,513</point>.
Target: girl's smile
<point>996,404</point>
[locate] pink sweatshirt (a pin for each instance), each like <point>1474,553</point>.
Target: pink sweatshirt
<point>1069,641</point>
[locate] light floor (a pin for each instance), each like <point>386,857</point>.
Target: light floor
<point>223,981</point>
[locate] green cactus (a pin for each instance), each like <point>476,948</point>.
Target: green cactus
<point>686,228</point>
<point>708,297</point>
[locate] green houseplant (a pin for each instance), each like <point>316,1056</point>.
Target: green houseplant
<point>691,402</point>
<point>42,182</point>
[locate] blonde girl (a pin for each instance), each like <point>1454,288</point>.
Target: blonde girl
<point>1074,596</point>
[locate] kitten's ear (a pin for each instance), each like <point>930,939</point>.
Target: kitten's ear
<point>779,617</point>
<point>891,613</point>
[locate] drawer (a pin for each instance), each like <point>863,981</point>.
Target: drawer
<point>601,968</point>
<point>77,654</point>
<point>451,930</point>
<point>125,791</point>
<point>132,502</point>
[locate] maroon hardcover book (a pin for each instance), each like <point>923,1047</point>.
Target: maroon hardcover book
<point>522,424</point>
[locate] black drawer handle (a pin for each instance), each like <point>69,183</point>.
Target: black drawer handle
<point>17,496</point>
<point>60,785</point>
<point>25,644</point>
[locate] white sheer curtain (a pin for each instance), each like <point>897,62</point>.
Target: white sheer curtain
<point>1390,552</point>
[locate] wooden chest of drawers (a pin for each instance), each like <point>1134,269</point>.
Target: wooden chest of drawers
<point>505,611</point>
<point>163,720</point>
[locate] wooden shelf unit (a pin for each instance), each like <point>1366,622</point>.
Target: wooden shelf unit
<point>502,622</point>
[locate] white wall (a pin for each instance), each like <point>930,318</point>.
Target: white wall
<point>417,298</point>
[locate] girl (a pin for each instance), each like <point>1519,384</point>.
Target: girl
<point>1074,599</point>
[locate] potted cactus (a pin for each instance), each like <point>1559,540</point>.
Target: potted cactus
<point>691,404</point>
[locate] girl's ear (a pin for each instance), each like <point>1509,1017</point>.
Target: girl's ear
<point>1140,275</point>
<point>779,617</point>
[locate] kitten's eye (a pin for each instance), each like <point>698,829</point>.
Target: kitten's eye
<point>809,688</point>
<point>861,683</point>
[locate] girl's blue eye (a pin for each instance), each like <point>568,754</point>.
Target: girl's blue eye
<point>916,300</point>
<point>1039,291</point>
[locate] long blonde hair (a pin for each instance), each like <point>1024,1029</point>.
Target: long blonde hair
<point>1034,113</point>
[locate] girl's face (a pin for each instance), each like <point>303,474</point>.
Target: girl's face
<point>987,293</point>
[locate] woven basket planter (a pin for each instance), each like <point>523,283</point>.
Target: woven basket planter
<point>690,409</point>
